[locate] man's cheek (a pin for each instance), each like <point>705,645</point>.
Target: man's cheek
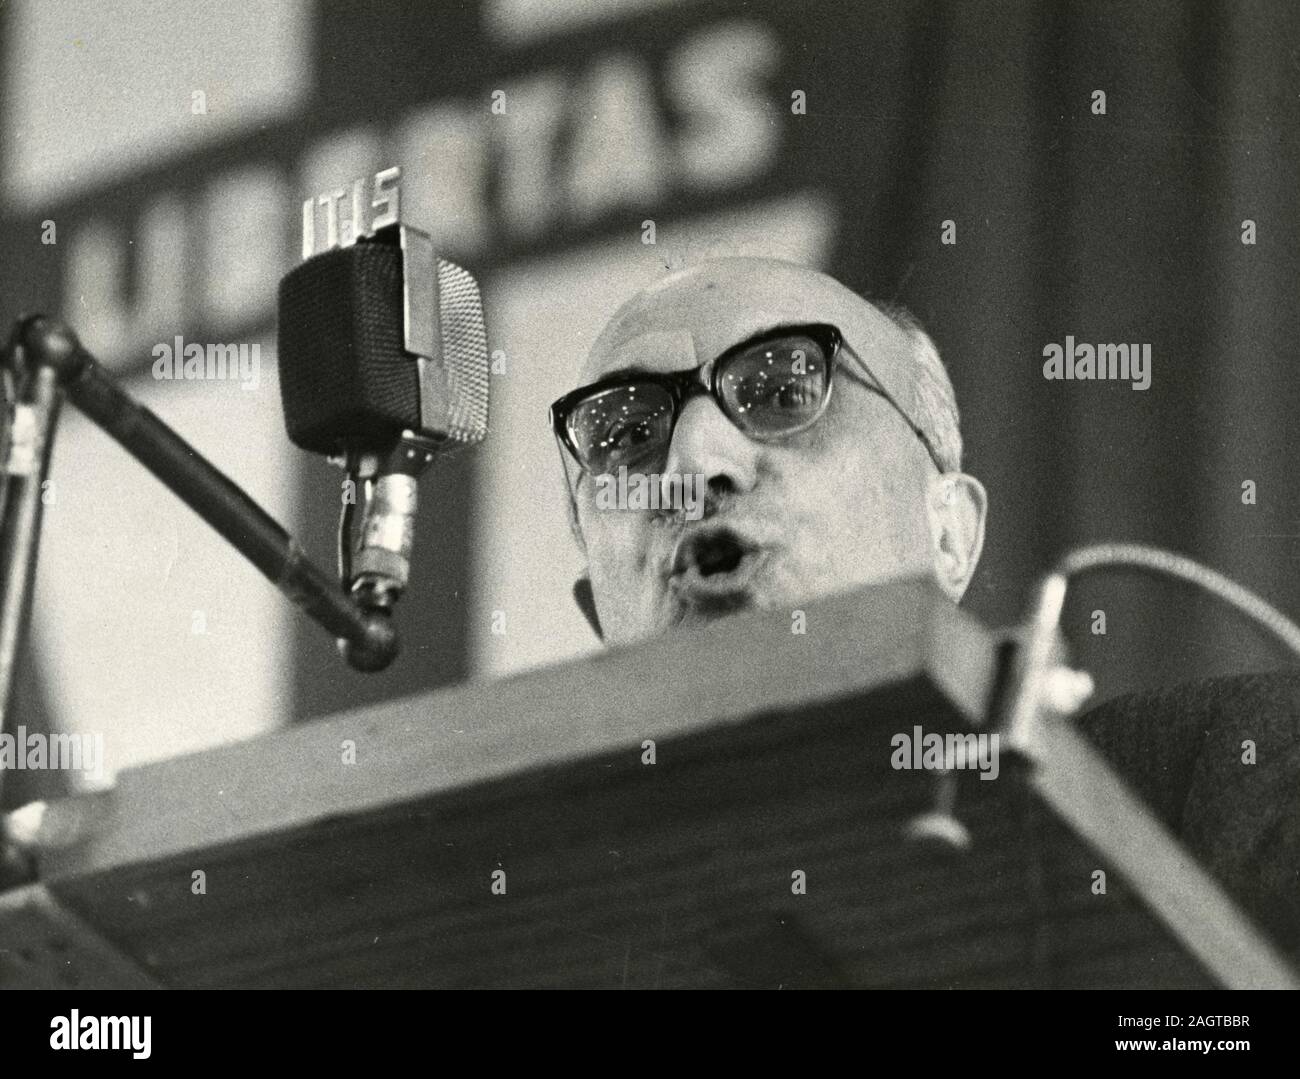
<point>630,604</point>
<point>619,553</point>
<point>792,576</point>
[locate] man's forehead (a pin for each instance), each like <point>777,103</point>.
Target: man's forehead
<point>692,316</point>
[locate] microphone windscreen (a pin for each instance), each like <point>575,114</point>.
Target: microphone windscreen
<point>345,378</point>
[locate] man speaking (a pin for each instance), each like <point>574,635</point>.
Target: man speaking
<point>823,430</point>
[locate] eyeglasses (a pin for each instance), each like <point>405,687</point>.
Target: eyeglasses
<point>770,387</point>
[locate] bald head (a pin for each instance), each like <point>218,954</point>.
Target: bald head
<point>693,315</point>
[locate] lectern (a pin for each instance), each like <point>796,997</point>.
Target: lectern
<point>720,807</point>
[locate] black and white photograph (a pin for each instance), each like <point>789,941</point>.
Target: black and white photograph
<point>650,494</point>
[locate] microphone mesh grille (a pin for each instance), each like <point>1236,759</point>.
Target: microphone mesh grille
<point>465,351</point>
<point>344,377</point>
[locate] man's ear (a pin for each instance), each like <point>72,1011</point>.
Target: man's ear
<point>586,601</point>
<point>956,506</point>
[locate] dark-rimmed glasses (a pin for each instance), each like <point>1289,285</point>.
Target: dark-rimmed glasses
<point>770,387</point>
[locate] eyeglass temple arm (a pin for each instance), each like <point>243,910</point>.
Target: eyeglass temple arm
<point>867,377</point>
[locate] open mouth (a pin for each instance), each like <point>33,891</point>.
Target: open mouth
<point>714,566</point>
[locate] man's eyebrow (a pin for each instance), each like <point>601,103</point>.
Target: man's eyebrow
<point>631,371</point>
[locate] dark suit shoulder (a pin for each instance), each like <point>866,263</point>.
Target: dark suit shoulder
<point>1218,761</point>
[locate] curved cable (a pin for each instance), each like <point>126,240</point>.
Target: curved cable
<point>1139,555</point>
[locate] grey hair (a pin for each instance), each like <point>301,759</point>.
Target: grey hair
<point>936,401</point>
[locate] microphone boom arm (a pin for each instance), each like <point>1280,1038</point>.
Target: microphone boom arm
<point>365,637</point>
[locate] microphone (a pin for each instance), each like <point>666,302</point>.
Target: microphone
<point>56,364</point>
<point>383,365</point>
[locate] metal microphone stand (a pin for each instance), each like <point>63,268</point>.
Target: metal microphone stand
<point>30,413</point>
<point>42,362</point>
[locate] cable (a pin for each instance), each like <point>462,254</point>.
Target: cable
<point>346,515</point>
<point>1084,559</point>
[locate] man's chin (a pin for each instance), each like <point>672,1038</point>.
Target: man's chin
<point>697,610</point>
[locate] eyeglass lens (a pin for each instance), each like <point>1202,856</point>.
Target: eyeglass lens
<point>767,389</point>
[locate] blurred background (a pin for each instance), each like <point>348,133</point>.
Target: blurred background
<point>172,143</point>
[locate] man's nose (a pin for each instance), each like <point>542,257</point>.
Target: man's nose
<point>706,443</point>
